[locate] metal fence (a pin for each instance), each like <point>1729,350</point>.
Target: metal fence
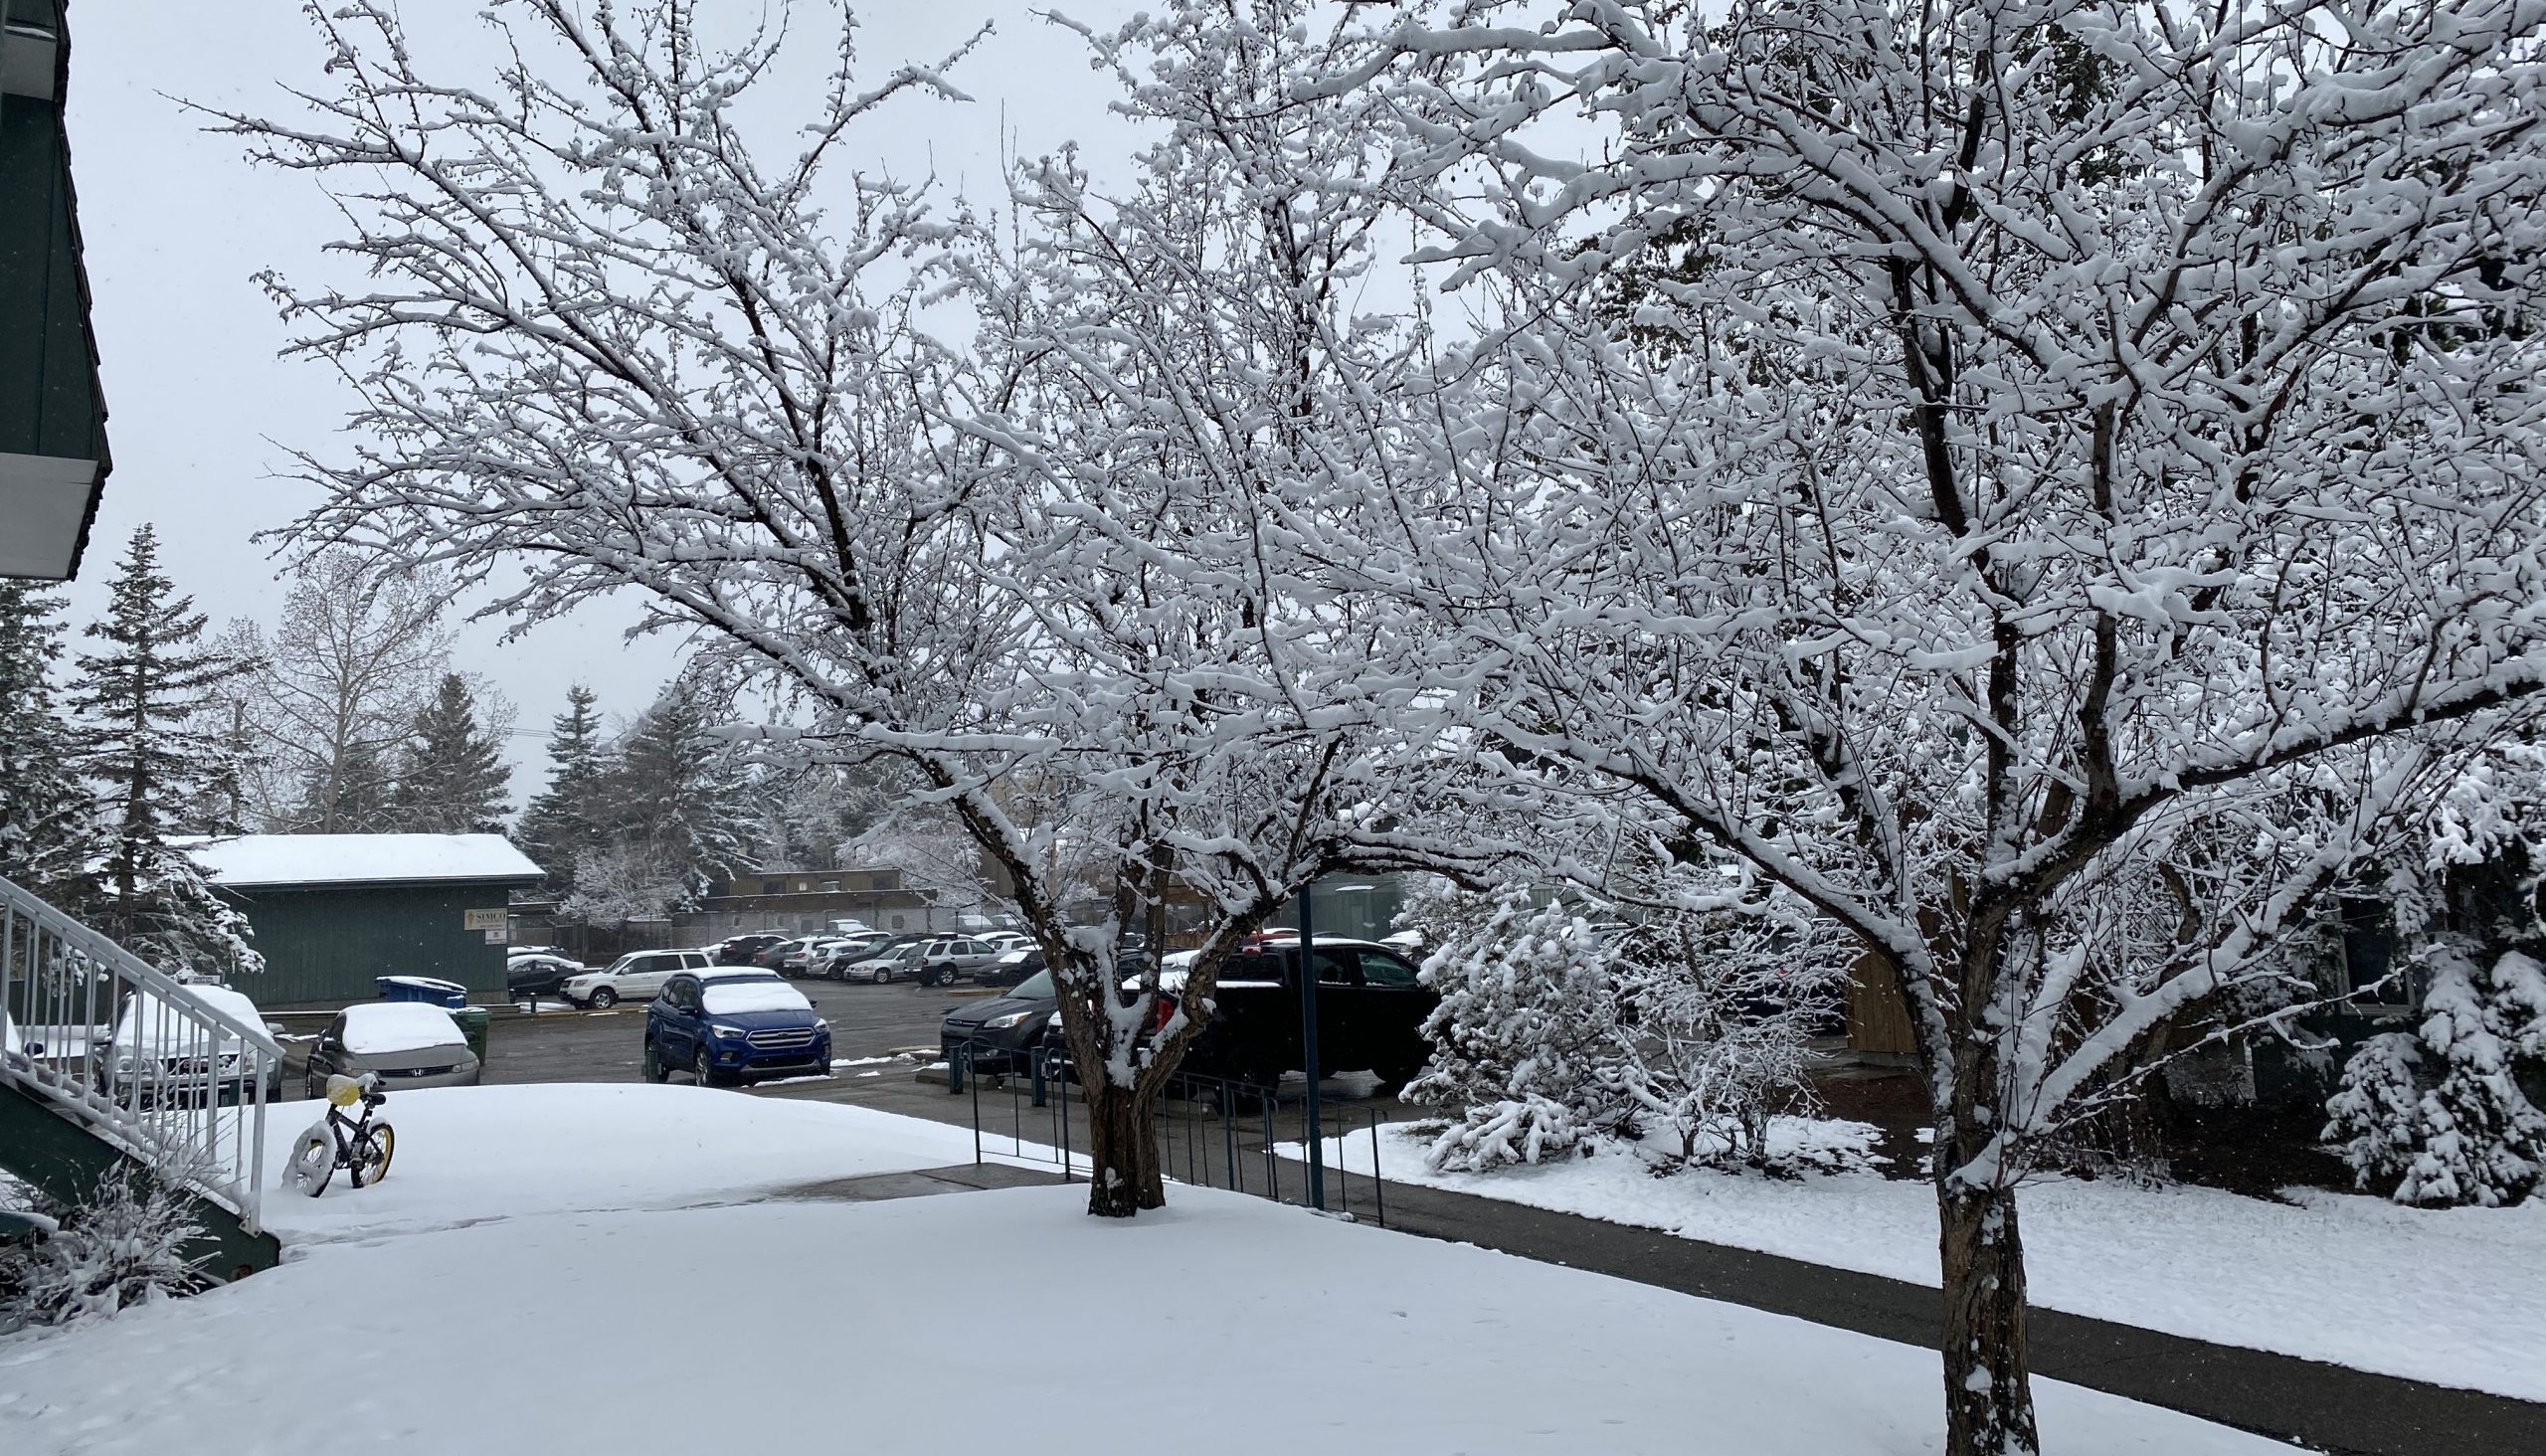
<point>1211,1132</point>
<point>125,1051</point>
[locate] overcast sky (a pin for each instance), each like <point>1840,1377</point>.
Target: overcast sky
<point>177,227</point>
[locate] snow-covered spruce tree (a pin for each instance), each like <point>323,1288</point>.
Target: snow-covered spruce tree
<point>45,812</point>
<point>1528,1052</point>
<point>564,819</point>
<point>682,795</point>
<point>631,353</point>
<point>2065,439</point>
<point>2435,1117</point>
<point>154,767</point>
<point>451,778</point>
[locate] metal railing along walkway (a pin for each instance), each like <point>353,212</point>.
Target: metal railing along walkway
<point>132,1055</point>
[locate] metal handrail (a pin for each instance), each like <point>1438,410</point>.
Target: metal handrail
<point>123,1048</point>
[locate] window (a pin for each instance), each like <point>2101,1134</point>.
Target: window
<point>830,887</point>
<point>773,887</point>
<point>694,960</point>
<point>2369,955</point>
<point>1379,968</point>
<point>897,922</point>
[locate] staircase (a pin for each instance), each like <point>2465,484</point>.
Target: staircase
<point>107,1063</point>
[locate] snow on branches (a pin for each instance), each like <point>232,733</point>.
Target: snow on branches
<point>2435,1116</point>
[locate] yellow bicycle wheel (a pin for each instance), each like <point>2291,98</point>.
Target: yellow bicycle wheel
<point>372,1155</point>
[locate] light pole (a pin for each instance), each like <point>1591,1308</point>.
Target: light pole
<point>1308,1043</point>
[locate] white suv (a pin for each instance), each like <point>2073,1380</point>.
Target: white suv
<point>636,976</point>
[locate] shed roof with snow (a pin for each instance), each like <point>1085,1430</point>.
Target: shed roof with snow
<point>273,861</point>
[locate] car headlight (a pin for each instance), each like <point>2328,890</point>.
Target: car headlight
<point>1013,1019</point>
<point>721,1030</point>
<point>821,1025</point>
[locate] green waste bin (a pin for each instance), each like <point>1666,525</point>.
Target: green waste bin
<point>473,1024</point>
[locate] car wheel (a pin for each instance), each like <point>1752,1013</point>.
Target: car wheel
<point>309,1086</point>
<point>882,975</point>
<point>655,1071</point>
<point>703,1072</point>
<point>605,999</point>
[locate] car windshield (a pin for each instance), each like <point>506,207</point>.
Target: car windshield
<point>731,998</point>
<point>1034,986</point>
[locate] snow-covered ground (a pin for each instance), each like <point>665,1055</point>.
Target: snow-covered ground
<point>469,1153</point>
<point>2456,1297</point>
<point>664,1328</point>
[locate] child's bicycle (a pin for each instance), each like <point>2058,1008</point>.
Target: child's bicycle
<point>357,1145</point>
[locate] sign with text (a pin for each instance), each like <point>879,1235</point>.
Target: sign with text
<point>483,919</point>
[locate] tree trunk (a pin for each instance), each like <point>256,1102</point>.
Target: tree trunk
<point>1124,1175</point>
<point>1988,1367</point>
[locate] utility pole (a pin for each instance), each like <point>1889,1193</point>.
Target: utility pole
<point>1308,1043</point>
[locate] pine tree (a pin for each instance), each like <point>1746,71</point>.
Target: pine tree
<point>451,778</point>
<point>565,820</point>
<point>2437,1115</point>
<point>44,819</point>
<point>684,797</point>
<point>156,767</point>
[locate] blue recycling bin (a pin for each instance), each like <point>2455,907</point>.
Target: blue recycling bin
<point>424,989</point>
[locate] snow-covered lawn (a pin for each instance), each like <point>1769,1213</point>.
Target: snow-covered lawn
<point>2456,1297</point>
<point>1225,1325</point>
<point>467,1154</point>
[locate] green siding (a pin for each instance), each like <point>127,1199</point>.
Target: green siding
<point>326,943</point>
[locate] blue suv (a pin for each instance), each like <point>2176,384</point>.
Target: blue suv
<point>729,1029</point>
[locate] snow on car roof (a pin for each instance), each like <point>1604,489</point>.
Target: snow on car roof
<point>251,860</point>
<point>724,998</point>
<point>148,1021</point>
<point>375,1026</point>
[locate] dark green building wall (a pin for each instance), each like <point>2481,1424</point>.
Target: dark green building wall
<point>326,943</point>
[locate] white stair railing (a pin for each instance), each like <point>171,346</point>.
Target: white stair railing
<point>132,1055</point>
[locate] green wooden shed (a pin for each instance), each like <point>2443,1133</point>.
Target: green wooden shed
<point>333,911</point>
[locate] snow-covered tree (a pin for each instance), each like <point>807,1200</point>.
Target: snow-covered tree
<point>683,796</point>
<point>45,820</point>
<point>155,767</point>
<point>2437,1116</point>
<point>355,655</point>
<point>452,776</point>
<point>605,339</point>
<point>2067,501</point>
<point>564,819</point>
<point>1527,1050</point>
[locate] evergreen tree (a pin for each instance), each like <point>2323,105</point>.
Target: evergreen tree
<point>565,820</point>
<point>2437,1116</point>
<point>453,779</point>
<point>684,797</point>
<point>44,819</point>
<point>156,767</point>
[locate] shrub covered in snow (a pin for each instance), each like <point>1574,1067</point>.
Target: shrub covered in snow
<point>2435,1116</point>
<point>124,1246</point>
<point>1687,1025</point>
<point>1525,1039</point>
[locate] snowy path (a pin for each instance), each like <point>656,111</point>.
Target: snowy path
<point>2454,1298</point>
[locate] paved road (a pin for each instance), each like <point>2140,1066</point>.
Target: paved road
<point>2327,1407</point>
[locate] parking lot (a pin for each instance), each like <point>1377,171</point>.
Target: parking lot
<point>605,1047</point>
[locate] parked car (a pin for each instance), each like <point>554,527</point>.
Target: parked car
<point>1009,968</point>
<point>1003,1033</point>
<point>1371,1008</point>
<point>726,1028</point>
<point>830,958</point>
<point>898,961</point>
<point>406,1044</point>
<point>738,950</point>
<point>510,952</point>
<point>949,959</point>
<point>636,976</point>
<point>787,957</point>
<point>526,977</point>
<point>154,1044</point>
<point>1007,940</point>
